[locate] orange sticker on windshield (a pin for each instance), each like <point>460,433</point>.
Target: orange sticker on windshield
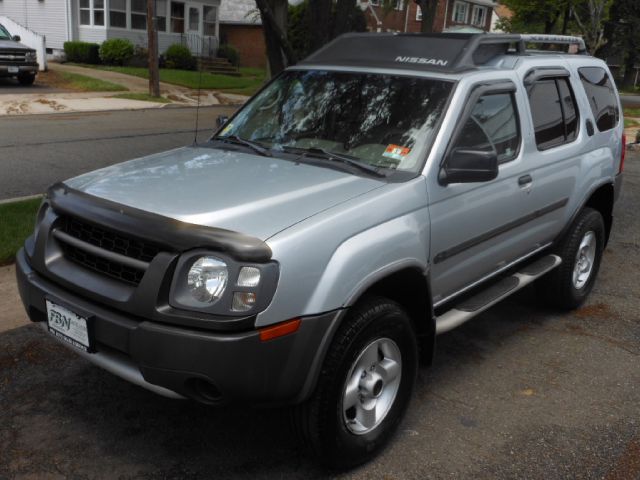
<point>396,152</point>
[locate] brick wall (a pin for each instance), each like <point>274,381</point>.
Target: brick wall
<point>394,21</point>
<point>249,41</point>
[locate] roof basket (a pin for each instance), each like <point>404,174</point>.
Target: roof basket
<point>441,52</point>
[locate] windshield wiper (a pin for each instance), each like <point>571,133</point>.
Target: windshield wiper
<point>255,146</point>
<point>338,157</point>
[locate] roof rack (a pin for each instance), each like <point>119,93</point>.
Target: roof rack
<point>443,52</point>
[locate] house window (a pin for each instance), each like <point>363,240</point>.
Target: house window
<point>138,14</point>
<point>85,12</point>
<point>419,14</point>
<point>92,12</point>
<point>210,14</point>
<point>460,11</point>
<point>177,17</point>
<point>161,15</point>
<point>194,19</point>
<point>98,12</point>
<point>478,16</point>
<point>118,13</point>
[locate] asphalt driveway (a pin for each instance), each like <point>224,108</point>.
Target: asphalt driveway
<point>521,392</point>
<point>12,86</point>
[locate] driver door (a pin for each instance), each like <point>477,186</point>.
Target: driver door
<point>478,228</point>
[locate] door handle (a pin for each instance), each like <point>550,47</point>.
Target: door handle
<point>525,180</point>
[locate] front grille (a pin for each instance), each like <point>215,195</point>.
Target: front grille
<point>110,241</point>
<point>10,56</point>
<point>109,268</point>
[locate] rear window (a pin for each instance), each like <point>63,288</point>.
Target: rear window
<point>602,97</point>
<point>554,112</point>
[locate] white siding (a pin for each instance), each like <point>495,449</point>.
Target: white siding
<point>139,37</point>
<point>92,34</point>
<point>46,18</point>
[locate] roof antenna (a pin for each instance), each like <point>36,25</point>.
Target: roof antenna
<point>195,134</point>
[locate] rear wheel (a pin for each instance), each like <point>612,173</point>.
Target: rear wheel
<point>26,79</point>
<point>568,286</point>
<point>364,387</point>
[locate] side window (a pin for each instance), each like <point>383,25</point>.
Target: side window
<point>492,125</point>
<point>554,112</point>
<point>602,97</point>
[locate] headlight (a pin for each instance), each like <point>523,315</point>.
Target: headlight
<point>31,56</point>
<point>207,279</point>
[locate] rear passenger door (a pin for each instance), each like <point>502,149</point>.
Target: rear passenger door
<point>555,152</point>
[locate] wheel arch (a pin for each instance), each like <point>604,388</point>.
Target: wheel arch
<point>407,285</point>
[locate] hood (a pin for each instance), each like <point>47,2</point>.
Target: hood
<point>11,45</point>
<point>245,193</point>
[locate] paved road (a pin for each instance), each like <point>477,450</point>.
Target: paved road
<point>630,100</point>
<point>521,392</point>
<point>38,150</point>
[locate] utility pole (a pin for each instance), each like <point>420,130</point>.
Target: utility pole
<point>152,32</point>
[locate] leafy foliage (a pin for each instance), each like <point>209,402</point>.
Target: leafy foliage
<point>116,51</point>
<point>230,53</point>
<point>179,57</point>
<point>82,52</point>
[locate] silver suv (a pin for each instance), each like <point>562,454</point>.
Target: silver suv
<point>385,190</point>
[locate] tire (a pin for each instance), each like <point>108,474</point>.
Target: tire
<point>26,79</point>
<point>563,287</point>
<point>376,327</point>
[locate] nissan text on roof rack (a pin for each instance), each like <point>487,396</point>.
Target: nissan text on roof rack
<point>385,190</point>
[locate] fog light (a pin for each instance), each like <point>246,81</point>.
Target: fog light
<point>249,277</point>
<point>243,301</point>
<point>207,279</point>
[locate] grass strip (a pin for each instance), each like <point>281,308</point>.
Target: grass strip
<point>16,224</point>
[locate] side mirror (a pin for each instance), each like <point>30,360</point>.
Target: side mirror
<point>469,166</point>
<point>222,120</point>
<point>16,38</point>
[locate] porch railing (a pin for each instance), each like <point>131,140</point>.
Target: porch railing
<point>200,46</point>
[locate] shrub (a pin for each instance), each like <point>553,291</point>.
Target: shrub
<point>178,56</point>
<point>230,53</point>
<point>116,51</point>
<point>82,52</point>
<point>140,58</point>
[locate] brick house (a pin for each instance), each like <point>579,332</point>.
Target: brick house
<point>240,26</point>
<point>451,15</point>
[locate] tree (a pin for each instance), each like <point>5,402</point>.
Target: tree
<point>590,17</point>
<point>624,33</point>
<point>536,16</point>
<point>273,14</point>
<point>428,8</point>
<point>152,44</point>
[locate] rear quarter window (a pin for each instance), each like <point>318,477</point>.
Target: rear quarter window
<point>602,97</point>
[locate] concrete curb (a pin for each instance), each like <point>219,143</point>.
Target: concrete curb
<point>19,199</point>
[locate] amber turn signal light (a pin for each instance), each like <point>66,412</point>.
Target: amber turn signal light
<point>279,330</point>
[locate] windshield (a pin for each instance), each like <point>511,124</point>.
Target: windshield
<point>4,35</point>
<point>380,120</point>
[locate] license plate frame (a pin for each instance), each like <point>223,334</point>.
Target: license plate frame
<point>66,324</point>
<point>13,69</point>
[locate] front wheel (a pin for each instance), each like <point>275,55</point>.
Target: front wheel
<point>364,387</point>
<point>26,79</point>
<point>568,286</point>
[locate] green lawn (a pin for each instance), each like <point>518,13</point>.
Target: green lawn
<point>632,112</point>
<point>16,224</point>
<point>630,123</point>
<point>88,84</point>
<point>144,97</point>
<point>249,82</point>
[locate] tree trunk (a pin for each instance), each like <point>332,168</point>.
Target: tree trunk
<point>342,20</point>
<point>274,21</point>
<point>152,44</point>
<point>320,16</point>
<point>429,8</point>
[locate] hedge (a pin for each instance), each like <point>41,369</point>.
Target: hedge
<point>82,52</point>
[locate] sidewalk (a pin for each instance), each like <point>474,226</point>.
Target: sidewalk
<point>43,103</point>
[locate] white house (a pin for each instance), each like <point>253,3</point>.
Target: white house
<point>192,22</point>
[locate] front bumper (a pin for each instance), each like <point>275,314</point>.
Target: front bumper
<point>175,361</point>
<point>30,68</point>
